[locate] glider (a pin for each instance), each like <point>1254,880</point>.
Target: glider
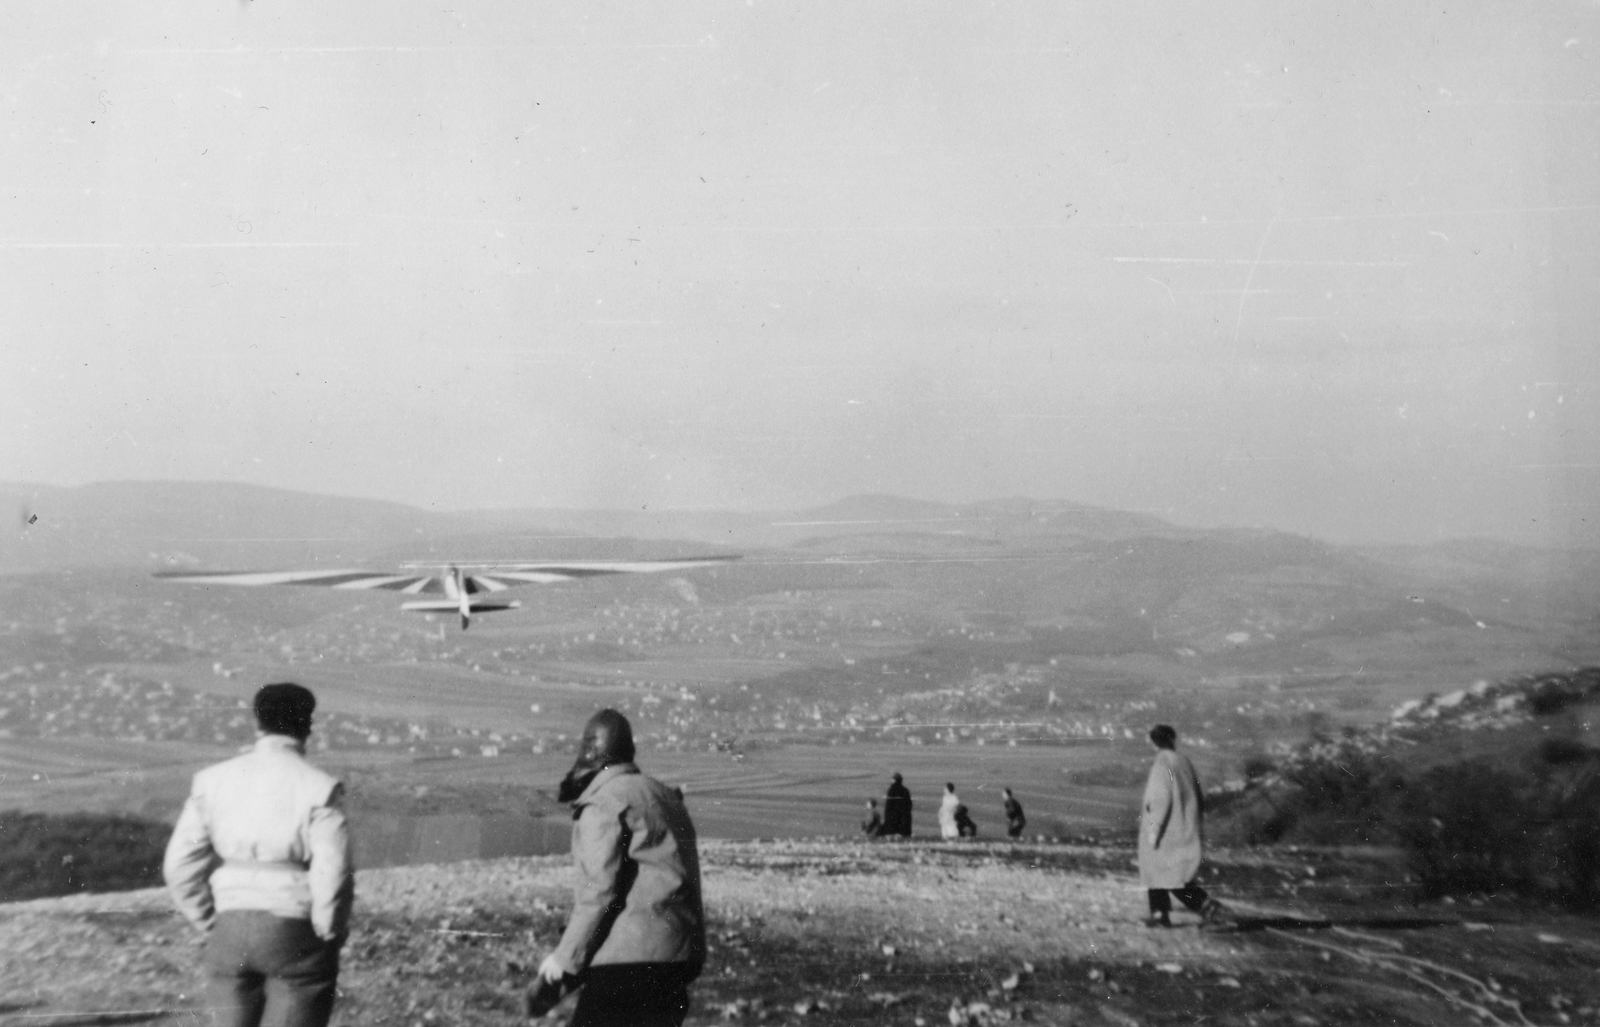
<point>461,584</point>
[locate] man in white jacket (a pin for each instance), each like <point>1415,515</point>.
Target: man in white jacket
<point>260,864</point>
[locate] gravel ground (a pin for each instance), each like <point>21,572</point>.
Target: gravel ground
<point>821,932</point>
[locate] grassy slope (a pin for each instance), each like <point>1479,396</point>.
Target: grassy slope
<point>803,923</point>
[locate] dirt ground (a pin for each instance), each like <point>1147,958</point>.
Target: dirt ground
<point>822,932</point>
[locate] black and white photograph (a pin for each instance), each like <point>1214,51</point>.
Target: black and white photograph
<point>759,512</point>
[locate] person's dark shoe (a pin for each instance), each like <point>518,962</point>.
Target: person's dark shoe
<point>1214,916</point>
<point>1157,921</point>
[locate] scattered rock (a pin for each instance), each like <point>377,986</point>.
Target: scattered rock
<point>1117,1016</point>
<point>982,1014</point>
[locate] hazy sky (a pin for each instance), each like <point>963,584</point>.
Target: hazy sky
<point>1325,267</point>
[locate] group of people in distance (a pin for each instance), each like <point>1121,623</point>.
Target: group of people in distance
<point>1171,822</point>
<point>259,863</point>
<point>955,820</point>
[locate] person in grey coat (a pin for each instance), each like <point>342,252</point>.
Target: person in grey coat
<point>636,937</point>
<point>1171,833</point>
<point>259,863</point>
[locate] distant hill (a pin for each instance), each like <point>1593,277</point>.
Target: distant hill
<point>872,592</point>
<point>139,523</point>
<point>247,526</point>
<point>1039,562</point>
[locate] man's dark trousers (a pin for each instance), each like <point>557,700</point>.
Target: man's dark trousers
<point>1191,895</point>
<point>257,962</point>
<point>634,995</point>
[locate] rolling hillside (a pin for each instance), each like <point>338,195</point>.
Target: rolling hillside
<point>876,622</point>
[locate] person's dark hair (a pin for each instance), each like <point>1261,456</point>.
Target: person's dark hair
<point>1164,736</point>
<point>608,739</point>
<point>949,786</point>
<point>897,777</point>
<point>285,708</point>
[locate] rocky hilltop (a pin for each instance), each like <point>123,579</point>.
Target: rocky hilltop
<point>915,934</point>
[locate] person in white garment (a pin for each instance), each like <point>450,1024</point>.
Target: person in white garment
<point>260,864</point>
<point>948,828</point>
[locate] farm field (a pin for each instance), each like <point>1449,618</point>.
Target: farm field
<point>787,791</point>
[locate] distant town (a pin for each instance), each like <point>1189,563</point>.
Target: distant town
<point>104,682</point>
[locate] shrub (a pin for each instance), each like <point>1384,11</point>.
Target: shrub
<point>1552,693</point>
<point>1567,808</point>
<point>43,855</point>
<point>1477,827</point>
<point>1343,800</point>
<point>1465,828</point>
<point>1526,820</point>
<point>1335,793</point>
<point>1259,766</point>
<point>1248,817</point>
<point>1348,780</point>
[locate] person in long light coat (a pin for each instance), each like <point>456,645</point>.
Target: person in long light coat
<point>948,828</point>
<point>1171,833</point>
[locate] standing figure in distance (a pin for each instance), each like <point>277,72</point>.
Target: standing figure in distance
<point>260,863</point>
<point>1171,833</point>
<point>948,828</point>
<point>1015,821</point>
<point>872,827</point>
<point>897,810</point>
<point>637,937</point>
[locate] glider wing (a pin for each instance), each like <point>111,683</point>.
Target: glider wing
<point>411,584</point>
